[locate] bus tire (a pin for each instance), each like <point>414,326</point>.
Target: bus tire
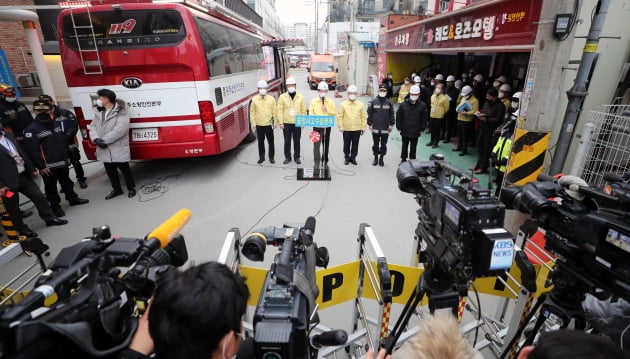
<point>251,135</point>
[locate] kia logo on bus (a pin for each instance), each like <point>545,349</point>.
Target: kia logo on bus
<point>131,82</point>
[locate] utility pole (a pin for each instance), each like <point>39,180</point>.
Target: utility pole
<point>543,88</point>
<point>316,22</point>
<point>578,92</point>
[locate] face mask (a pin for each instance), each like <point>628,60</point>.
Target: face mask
<point>496,84</point>
<point>406,81</point>
<point>438,91</point>
<point>99,103</point>
<point>514,104</point>
<point>44,117</point>
<point>10,99</point>
<point>466,96</point>
<point>432,83</point>
<point>414,98</point>
<point>352,97</point>
<point>501,95</point>
<point>291,89</point>
<point>262,92</point>
<point>382,94</point>
<point>322,94</point>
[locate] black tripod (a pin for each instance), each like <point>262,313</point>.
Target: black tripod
<point>442,291</point>
<point>561,304</point>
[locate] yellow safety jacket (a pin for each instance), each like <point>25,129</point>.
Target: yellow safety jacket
<point>439,106</point>
<point>507,102</point>
<point>403,92</point>
<point>262,110</point>
<point>502,151</point>
<point>352,116</point>
<point>467,116</point>
<point>328,108</point>
<point>289,107</point>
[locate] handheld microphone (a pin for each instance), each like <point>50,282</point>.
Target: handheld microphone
<point>329,338</point>
<point>170,228</point>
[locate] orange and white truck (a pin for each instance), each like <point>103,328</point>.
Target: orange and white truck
<point>322,68</point>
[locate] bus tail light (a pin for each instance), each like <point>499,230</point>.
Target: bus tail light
<point>206,110</point>
<point>81,120</point>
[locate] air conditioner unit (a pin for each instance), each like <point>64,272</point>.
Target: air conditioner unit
<point>36,82</point>
<point>24,80</point>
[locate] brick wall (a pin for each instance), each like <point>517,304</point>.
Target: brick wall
<point>13,41</point>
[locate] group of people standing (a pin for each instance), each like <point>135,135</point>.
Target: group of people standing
<point>46,145</point>
<point>477,112</point>
<point>352,120</point>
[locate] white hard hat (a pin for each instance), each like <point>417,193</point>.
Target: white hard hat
<point>417,79</point>
<point>414,90</point>
<point>502,79</point>
<point>291,81</point>
<point>450,78</point>
<point>458,84</point>
<point>506,88</point>
<point>352,88</point>
<point>517,95</point>
<point>262,84</point>
<point>478,77</point>
<point>466,90</point>
<point>322,86</point>
<point>439,77</point>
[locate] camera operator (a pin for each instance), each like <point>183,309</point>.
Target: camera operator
<point>194,314</point>
<point>574,344</point>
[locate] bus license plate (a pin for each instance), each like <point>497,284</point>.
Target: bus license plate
<point>144,134</point>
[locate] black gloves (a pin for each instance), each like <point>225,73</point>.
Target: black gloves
<point>100,142</point>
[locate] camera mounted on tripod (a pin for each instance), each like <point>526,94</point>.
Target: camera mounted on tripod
<point>588,230</point>
<point>460,223</point>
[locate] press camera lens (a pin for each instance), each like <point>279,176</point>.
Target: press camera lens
<point>254,247</point>
<point>408,180</point>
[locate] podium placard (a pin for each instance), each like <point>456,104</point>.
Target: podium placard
<point>320,172</point>
<point>314,121</point>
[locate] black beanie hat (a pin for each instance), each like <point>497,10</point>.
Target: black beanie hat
<point>111,96</point>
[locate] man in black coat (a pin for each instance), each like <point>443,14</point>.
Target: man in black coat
<point>411,119</point>
<point>47,145</point>
<point>70,127</point>
<point>15,176</point>
<point>490,117</point>
<point>14,115</point>
<point>380,113</point>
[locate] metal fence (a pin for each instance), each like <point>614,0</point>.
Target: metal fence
<point>605,144</point>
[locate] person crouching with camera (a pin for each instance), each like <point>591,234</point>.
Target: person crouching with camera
<point>194,314</point>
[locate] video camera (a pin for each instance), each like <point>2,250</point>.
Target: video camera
<point>286,308</point>
<point>95,302</point>
<point>461,224</point>
<point>592,243</point>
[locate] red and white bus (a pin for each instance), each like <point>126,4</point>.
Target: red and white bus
<point>186,72</point>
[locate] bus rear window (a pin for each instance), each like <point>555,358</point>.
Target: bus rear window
<point>124,29</point>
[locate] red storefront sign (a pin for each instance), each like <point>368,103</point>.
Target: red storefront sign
<point>492,24</point>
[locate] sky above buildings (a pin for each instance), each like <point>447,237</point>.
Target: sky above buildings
<point>292,11</point>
